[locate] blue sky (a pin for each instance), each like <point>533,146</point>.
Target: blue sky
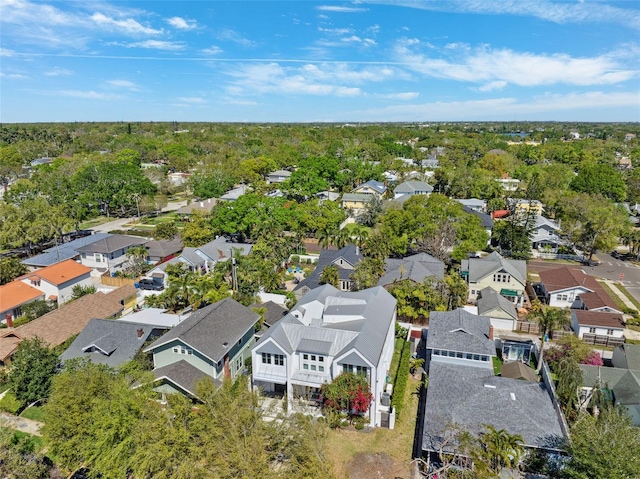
<point>303,61</point>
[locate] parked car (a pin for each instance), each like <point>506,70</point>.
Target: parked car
<point>150,285</point>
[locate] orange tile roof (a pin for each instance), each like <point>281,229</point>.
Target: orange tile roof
<point>16,293</point>
<point>61,272</point>
<point>56,327</point>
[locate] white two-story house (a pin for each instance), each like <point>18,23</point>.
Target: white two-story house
<point>58,280</point>
<point>506,276</point>
<point>329,332</point>
<point>109,254</point>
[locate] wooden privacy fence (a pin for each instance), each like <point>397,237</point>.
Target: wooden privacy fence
<point>528,327</point>
<point>108,280</point>
<point>602,340</point>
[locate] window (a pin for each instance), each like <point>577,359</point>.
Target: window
<point>183,350</point>
<point>501,278</point>
<point>176,350</point>
<point>98,258</point>
<point>278,359</point>
<point>592,330</point>
<point>266,358</point>
<point>239,364</point>
<point>350,368</point>
<point>610,332</point>
<point>313,362</point>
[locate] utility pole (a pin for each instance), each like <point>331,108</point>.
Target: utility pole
<point>234,274</point>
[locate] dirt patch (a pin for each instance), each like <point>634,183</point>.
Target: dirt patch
<point>372,465</point>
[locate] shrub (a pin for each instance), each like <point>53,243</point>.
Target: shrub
<point>295,259</point>
<point>359,426</point>
<point>10,403</point>
<point>402,377</point>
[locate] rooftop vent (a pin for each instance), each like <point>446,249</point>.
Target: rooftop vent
<point>225,344</point>
<point>513,396</point>
<point>490,386</point>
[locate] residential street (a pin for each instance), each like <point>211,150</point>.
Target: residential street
<point>119,223</point>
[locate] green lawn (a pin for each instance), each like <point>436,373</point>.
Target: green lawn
<point>95,222</point>
<point>351,226</point>
<point>34,413</point>
<point>37,442</point>
<point>613,295</point>
<point>497,365</point>
<point>395,360</point>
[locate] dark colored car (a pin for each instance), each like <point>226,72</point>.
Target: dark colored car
<point>150,285</point>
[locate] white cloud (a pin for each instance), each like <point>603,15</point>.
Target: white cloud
<point>182,23</point>
<point>336,31</point>
<point>572,106</point>
<point>13,76</point>
<point>232,36</point>
<point>212,50</point>
<point>491,86</point>
<point>153,44</point>
<point>127,25</point>
<point>273,78</point>
<point>5,52</point>
<point>192,100</point>
<point>88,95</point>
<point>338,9</point>
<point>57,71</point>
<point>487,65</point>
<point>409,95</point>
<point>560,12</point>
<point>125,84</point>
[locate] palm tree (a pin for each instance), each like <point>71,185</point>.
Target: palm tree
<point>549,319</point>
<point>330,275</point>
<point>325,237</point>
<point>500,448</point>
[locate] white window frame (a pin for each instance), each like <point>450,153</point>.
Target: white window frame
<point>266,358</point>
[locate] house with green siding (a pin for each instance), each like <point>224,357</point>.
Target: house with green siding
<point>213,342</point>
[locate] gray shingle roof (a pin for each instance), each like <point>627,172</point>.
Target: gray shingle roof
<point>485,220</point>
<point>117,341</point>
<point>349,253</point>
<point>217,250</point>
<point>632,353</point>
<point>416,268</point>
<point>625,383</point>
<point>364,327</point>
<point>460,330</point>
<point>163,248</point>
<point>470,397</point>
<point>489,300</point>
<point>112,243</point>
<point>183,375</point>
<point>377,186</point>
<point>63,251</point>
<point>274,312</point>
<point>208,329</point>
<point>481,268</point>
<point>411,186</point>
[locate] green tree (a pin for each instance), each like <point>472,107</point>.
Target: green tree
<point>367,273</point>
<point>549,319</point>
<point>10,164</point>
<point>166,231</point>
<point>330,275</point>
<point>498,449</point>
<point>621,456</point>
<point>35,309</point>
<point>78,291</point>
<point>600,179</point>
<point>137,260</point>
<point>197,231</point>
<point>32,367</point>
<point>347,392</point>
<point>10,268</point>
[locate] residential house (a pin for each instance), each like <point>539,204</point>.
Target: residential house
<point>500,311</point>
<point>327,333</point>
<point>271,312</point>
<point>471,398</point>
<point>474,204</point>
<point>371,187</point>
<point>58,280</point>
<point>56,327</point>
<point>629,137</point>
<point>345,259</point>
<point>517,348</point>
<point>459,337</point>
<point>412,187</point>
<point>506,276</point>
<point>432,163</point>
<point>544,234</point>
<point>204,258</point>
<point>626,356</point>
<point>568,287</point>
<point>109,254</point>
<point>509,184</point>
<point>523,207</point>
<point>416,268</point>
<point>327,195</point>
<point>62,252</point>
<point>236,193</point>
<point>178,178</point>
<point>574,135</point>
<point>161,250</point>
<point>356,202</point>
<point>485,220</point>
<point>621,386</point>
<point>13,296</point>
<point>202,206</point>
<point>158,272</point>
<point>279,176</point>
<point>598,326</point>
<point>157,318</point>
<point>214,342</point>
<point>109,342</point>
<point>624,163</point>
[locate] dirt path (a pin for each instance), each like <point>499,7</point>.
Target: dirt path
<point>21,424</point>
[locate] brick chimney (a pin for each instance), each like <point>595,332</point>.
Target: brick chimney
<point>140,332</point>
<point>9,320</point>
<point>491,333</point>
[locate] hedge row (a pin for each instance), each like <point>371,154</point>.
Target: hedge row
<point>402,377</point>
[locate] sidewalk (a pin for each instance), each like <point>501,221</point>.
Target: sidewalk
<point>19,423</point>
<point>619,294</point>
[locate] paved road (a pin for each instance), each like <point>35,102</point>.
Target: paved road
<point>610,268</point>
<point>119,223</point>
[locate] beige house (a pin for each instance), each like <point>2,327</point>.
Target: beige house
<point>355,201</point>
<point>506,277</point>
